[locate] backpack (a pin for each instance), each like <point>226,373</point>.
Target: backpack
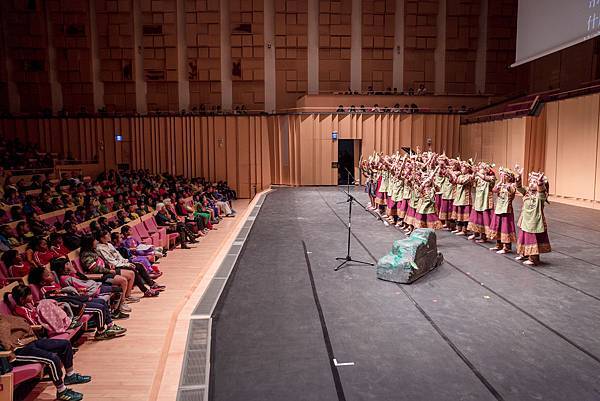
<point>52,317</point>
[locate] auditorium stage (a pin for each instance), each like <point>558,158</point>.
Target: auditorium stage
<point>480,327</point>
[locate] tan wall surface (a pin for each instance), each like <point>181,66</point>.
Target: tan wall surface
<point>500,142</point>
<point>572,159</point>
<point>303,148</point>
<point>563,141</point>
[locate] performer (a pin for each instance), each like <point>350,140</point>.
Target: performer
<point>481,213</point>
<point>382,184</point>
<point>502,228</point>
<point>447,195</point>
<point>426,214</point>
<point>533,236</point>
<point>412,204</point>
<point>367,170</point>
<point>461,209</point>
<point>390,205</point>
<point>404,195</point>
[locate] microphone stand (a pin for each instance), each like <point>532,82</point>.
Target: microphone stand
<point>350,200</point>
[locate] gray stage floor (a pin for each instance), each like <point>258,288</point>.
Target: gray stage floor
<point>480,327</point>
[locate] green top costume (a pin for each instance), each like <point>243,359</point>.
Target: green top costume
<point>484,199</point>
<point>406,192</point>
<point>447,189</point>
<point>398,190</point>
<point>391,185</point>
<point>462,196</point>
<point>427,203</point>
<point>532,219</point>
<point>385,179</point>
<point>414,199</point>
<point>504,199</point>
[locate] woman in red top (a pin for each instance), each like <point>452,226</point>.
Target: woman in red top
<point>17,267</point>
<point>57,246</point>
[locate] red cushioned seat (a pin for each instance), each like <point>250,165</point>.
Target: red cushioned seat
<point>146,237</point>
<point>165,238</point>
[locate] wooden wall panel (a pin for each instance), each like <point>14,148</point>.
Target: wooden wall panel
<point>577,144</point>
<point>311,150</point>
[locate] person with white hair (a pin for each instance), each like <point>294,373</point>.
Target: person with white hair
<point>164,219</point>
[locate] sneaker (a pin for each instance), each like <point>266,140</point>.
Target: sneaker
<point>125,308</point>
<point>105,335</point>
<point>75,324</point>
<point>495,248</point>
<point>503,251</point>
<point>472,237</point>
<point>529,263</point>
<point>150,293</point>
<point>76,378</point>
<point>119,315</point>
<point>520,257</point>
<point>132,300</point>
<point>117,330</point>
<point>69,395</point>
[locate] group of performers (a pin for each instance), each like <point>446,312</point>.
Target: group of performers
<point>430,190</point>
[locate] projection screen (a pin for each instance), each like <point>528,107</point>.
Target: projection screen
<point>546,26</point>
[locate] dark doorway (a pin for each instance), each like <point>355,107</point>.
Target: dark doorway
<point>345,161</point>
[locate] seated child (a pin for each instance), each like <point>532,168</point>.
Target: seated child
<point>17,267</point>
<point>52,353</point>
<point>49,288</point>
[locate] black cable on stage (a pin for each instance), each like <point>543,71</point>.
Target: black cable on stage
<point>467,362</point>
<point>565,338</point>
<point>336,375</point>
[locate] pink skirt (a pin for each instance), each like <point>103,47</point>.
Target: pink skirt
<point>461,213</point>
<point>392,207</point>
<point>445,210</point>
<point>438,202</point>
<point>380,197</point>
<point>479,222</point>
<point>402,208</point>
<point>502,228</point>
<point>428,220</point>
<point>533,243</point>
<point>410,215</point>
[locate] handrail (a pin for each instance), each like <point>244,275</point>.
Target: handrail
<point>533,106</point>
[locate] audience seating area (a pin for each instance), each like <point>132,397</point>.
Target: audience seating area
<point>190,208</point>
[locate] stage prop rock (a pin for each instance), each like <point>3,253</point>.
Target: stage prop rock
<point>410,258</point>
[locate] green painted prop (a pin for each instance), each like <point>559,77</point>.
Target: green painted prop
<point>410,258</point>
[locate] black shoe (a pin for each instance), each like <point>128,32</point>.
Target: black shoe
<point>119,315</point>
<point>76,378</point>
<point>69,395</point>
<point>184,246</point>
